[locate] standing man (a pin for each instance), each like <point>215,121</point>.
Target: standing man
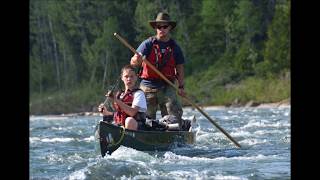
<point>165,54</point>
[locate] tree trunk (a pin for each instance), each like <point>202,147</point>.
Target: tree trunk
<point>55,53</point>
<point>40,60</point>
<point>64,70</point>
<point>105,71</point>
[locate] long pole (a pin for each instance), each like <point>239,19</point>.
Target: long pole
<point>112,89</point>
<point>169,82</point>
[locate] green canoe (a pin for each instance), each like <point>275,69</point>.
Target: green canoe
<point>111,137</point>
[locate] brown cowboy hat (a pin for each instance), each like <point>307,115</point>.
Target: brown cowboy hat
<point>163,17</point>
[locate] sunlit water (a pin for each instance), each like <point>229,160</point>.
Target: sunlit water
<point>65,148</point>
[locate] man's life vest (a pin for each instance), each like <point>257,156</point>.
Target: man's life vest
<point>120,116</point>
<point>164,62</point>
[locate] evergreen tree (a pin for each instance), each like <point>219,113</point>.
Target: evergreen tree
<point>277,51</point>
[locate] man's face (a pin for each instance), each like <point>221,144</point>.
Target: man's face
<point>162,29</point>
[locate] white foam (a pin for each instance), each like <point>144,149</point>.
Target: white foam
<point>264,123</point>
<point>257,157</point>
<point>89,139</point>
<point>170,157</point>
<point>223,177</point>
<point>81,174</point>
<point>78,175</point>
<point>181,173</point>
<point>262,132</point>
<point>214,108</point>
<point>57,139</point>
<point>251,142</point>
<point>57,128</point>
<point>130,154</point>
<point>52,140</point>
<point>47,118</point>
<point>35,139</point>
<point>55,158</point>
<point>241,133</point>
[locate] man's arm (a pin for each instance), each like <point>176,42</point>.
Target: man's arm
<point>180,75</point>
<point>180,78</point>
<point>136,60</point>
<point>143,50</point>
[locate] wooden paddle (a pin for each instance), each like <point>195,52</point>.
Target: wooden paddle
<point>169,82</point>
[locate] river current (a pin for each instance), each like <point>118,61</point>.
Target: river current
<point>64,147</point>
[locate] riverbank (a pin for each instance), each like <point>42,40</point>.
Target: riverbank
<point>282,104</point>
<point>251,92</point>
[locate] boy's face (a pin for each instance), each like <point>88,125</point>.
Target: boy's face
<point>129,78</point>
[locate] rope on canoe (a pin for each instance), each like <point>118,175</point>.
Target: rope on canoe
<point>121,137</point>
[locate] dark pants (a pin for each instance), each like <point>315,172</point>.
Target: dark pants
<point>165,99</point>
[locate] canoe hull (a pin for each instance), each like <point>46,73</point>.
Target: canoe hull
<point>111,137</point>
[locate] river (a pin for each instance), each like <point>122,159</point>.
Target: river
<point>64,147</point>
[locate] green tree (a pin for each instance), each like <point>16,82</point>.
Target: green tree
<point>210,38</point>
<point>251,20</point>
<point>277,50</point>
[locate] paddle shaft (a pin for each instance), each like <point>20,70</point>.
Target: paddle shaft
<point>112,89</point>
<point>169,82</point>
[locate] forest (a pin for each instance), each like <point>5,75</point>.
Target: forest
<point>236,51</point>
